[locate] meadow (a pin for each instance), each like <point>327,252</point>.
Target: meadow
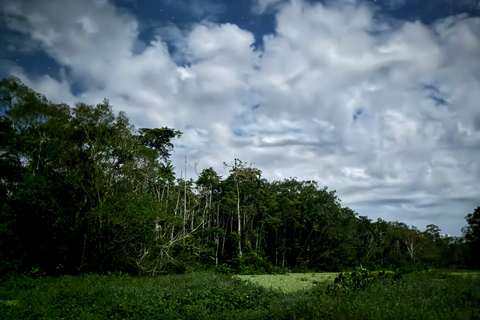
<point>205,295</point>
<point>291,282</point>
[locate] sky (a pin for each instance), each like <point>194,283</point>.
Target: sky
<point>378,100</point>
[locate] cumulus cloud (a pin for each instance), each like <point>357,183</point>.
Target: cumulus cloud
<point>385,113</point>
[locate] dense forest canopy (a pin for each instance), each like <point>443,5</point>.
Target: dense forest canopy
<point>83,190</point>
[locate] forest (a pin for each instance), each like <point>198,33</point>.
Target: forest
<point>84,191</point>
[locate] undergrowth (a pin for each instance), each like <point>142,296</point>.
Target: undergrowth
<point>357,295</point>
<point>415,295</point>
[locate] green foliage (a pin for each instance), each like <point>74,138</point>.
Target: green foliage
<point>472,236</point>
<point>159,139</point>
<point>416,295</point>
<point>200,295</point>
<point>362,278</point>
<point>249,264</point>
<point>472,231</point>
<point>359,279</point>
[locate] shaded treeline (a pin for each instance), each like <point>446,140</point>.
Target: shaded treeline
<point>82,190</point>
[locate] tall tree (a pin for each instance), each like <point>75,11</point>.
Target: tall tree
<point>79,189</point>
<point>471,233</point>
<point>242,176</point>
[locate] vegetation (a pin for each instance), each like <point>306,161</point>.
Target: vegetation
<point>83,192</point>
<point>472,236</point>
<point>290,282</point>
<point>215,296</point>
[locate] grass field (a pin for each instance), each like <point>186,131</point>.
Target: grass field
<point>433,295</point>
<point>290,282</point>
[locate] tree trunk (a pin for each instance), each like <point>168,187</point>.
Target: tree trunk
<point>239,223</point>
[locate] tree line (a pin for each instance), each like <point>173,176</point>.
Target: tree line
<point>83,190</point>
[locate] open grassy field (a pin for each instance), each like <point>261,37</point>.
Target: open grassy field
<point>433,295</point>
<point>290,282</point>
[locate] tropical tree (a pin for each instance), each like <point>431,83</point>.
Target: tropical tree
<point>471,233</point>
<point>78,185</point>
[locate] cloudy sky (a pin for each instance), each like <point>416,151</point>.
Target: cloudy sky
<point>379,100</point>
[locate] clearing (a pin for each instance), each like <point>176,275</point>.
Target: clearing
<point>290,282</point>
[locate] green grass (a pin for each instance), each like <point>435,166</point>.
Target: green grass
<point>434,295</point>
<point>467,273</point>
<point>290,282</point>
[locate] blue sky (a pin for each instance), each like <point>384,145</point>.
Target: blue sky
<point>379,100</point>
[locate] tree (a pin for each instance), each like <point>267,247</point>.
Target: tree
<point>39,202</point>
<point>242,176</point>
<point>471,233</point>
<point>434,232</point>
<point>435,244</point>
<point>159,139</point>
<point>79,186</point>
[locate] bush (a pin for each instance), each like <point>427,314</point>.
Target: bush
<point>251,263</point>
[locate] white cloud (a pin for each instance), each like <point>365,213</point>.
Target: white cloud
<point>386,114</point>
